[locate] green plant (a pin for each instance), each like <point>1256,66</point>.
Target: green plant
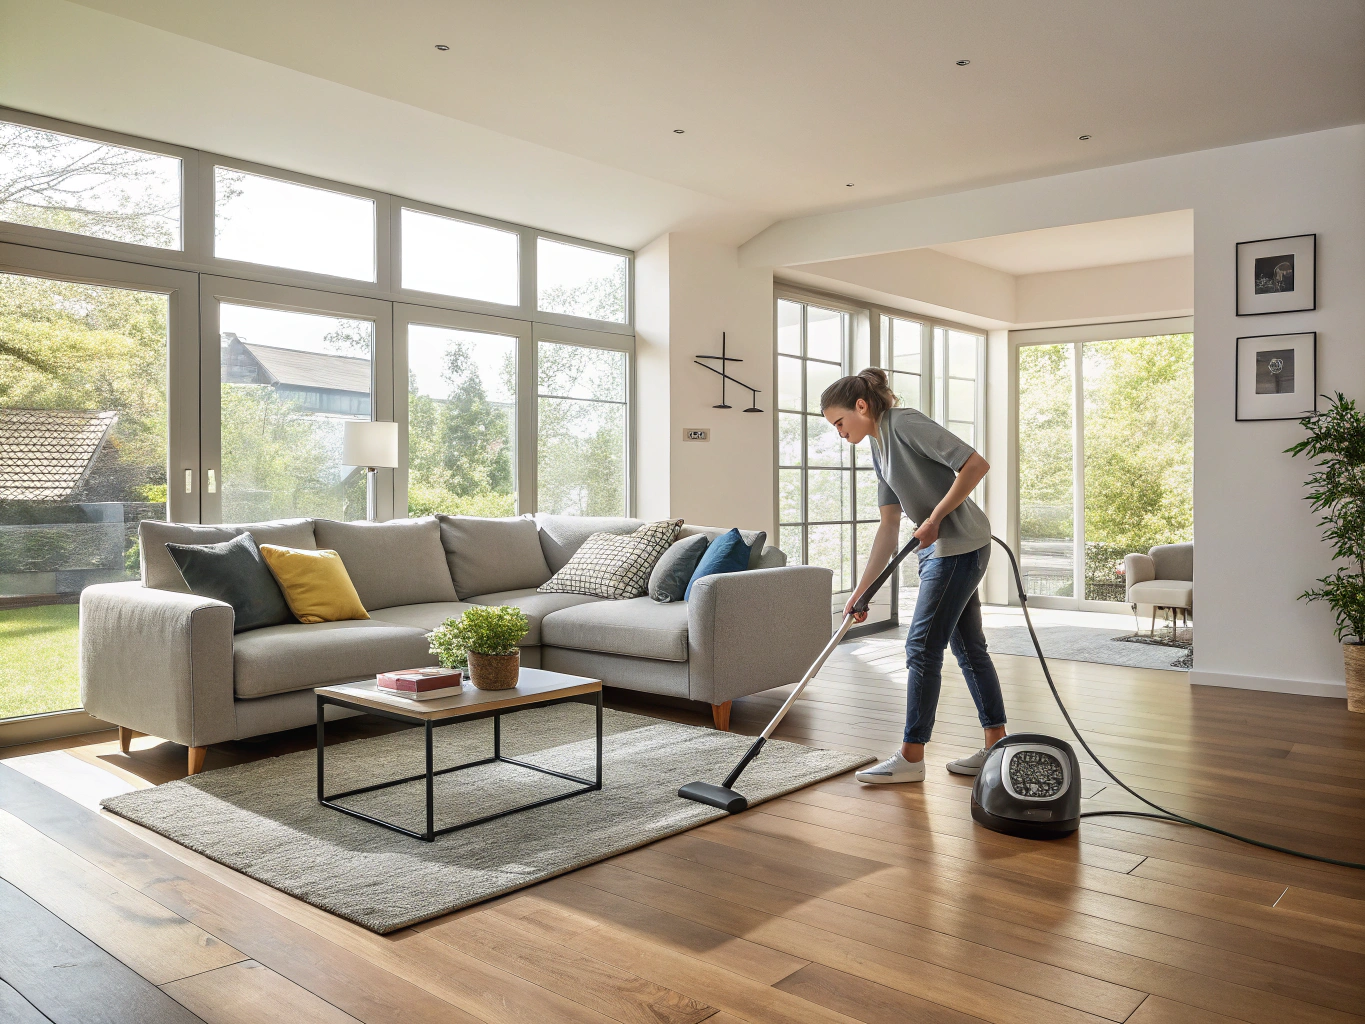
<point>480,630</point>
<point>1336,488</point>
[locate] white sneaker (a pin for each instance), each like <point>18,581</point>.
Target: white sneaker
<point>894,769</point>
<point>969,765</point>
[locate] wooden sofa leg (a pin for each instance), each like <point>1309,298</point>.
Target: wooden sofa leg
<point>197,755</point>
<point>126,737</point>
<point>720,716</point>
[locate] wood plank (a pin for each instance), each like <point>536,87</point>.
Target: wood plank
<point>1320,905</point>
<point>159,945</point>
<point>15,1009</point>
<point>69,979</point>
<point>516,944</point>
<point>248,993</point>
<point>868,1001</point>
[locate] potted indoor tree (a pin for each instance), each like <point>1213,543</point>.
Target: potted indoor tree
<point>486,640</point>
<point>1336,443</point>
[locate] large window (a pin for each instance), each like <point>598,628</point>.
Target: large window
<point>284,224</point>
<point>1106,455</point>
<point>83,456</point>
<point>65,183</point>
<point>582,434</point>
<point>185,336</point>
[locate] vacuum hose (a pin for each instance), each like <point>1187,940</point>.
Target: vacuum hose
<point>1165,815</point>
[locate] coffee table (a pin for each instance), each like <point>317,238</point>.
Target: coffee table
<point>535,688</point>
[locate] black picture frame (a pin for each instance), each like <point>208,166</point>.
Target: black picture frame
<point>1240,412</point>
<point>1306,245</point>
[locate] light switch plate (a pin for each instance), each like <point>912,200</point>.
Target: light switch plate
<point>697,434</point>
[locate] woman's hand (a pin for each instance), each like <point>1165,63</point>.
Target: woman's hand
<point>848,608</point>
<point>927,532</point>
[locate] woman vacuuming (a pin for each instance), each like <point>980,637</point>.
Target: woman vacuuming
<point>927,471</point>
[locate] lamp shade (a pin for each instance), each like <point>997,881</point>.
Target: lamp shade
<point>371,444</point>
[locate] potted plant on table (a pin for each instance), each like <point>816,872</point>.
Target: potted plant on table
<point>486,639</point>
<point>1336,442</point>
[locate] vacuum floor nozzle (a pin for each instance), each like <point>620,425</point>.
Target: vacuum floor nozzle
<point>717,796</point>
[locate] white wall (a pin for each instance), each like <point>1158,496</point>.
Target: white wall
<point>689,290</point>
<point>1257,544</point>
<point>1125,291</point>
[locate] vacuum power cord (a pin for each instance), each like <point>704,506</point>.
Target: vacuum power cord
<point>1165,814</point>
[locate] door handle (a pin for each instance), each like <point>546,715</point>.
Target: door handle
<point>189,481</point>
<point>213,483</point>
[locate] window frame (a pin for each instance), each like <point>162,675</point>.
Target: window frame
<point>526,276</point>
<point>531,300</point>
<point>88,245</point>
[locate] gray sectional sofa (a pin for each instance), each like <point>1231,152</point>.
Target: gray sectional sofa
<point>157,660</point>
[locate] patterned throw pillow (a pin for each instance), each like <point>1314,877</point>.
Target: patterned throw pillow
<point>614,566</point>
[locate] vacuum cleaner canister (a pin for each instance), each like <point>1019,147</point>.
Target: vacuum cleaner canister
<point>1030,786</point>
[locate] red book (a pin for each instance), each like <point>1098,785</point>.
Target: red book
<point>420,680</point>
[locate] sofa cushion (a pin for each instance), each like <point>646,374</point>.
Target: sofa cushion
<point>298,656</point>
<point>233,572</point>
<point>727,553</point>
<point>393,563</point>
<point>561,536</point>
<point>756,539</point>
<point>534,605</point>
<point>315,584</point>
<point>675,567</point>
<point>612,566</point>
<point>421,616</point>
<point>159,571</point>
<point>487,555</point>
<point>640,628</point>
<point>1165,593</point>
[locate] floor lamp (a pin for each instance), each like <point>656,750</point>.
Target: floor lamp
<point>374,446</point>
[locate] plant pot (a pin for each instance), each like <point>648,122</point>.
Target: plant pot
<point>1355,677</point>
<point>494,671</point>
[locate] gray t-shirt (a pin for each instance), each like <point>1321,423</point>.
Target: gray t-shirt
<point>916,461</point>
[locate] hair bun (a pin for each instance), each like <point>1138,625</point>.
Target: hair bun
<point>875,376</point>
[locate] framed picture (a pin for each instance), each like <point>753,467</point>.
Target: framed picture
<point>1277,275</point>
<point>1277,376</point>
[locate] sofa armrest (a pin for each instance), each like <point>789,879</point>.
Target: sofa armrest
<point>750,631</point>
<point>1137,568</point>
<point>158,662</point>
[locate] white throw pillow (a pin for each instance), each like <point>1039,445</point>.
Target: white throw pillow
<point>614,566</point>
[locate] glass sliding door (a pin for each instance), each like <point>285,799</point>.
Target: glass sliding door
<point>289,375</point>
<point>1106,457</point>
<point>86,417</point>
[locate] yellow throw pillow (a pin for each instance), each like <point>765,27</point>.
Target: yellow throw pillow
<point>315,584</point>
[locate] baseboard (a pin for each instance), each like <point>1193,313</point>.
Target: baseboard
<point>1306,687</point>
<point>51,726</point>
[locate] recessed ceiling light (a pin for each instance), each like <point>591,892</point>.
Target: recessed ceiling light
<point>849,185</point>
<point>963,63</point>
<point>1085,138</point>
<point>679,131</point>
<point>442,46</point>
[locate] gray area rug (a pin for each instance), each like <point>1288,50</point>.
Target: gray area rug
<point>263,818</point>
<point>1085,643</point>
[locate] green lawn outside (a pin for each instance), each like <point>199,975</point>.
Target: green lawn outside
<point>38,660</point>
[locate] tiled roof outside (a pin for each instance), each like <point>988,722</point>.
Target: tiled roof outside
<point>312,369</point>
<point>46,454</point>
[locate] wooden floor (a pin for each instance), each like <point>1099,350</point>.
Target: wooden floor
<point>837,903</point>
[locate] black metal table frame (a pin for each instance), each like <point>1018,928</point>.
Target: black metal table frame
<point>585,785</point>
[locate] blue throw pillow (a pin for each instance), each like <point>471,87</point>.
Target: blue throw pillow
<point>727,553</point>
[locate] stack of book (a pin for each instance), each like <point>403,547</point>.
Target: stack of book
<point>421,683</point>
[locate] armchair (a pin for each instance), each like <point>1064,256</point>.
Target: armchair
<point>1162,578</point>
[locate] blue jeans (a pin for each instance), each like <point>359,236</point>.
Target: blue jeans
<point>948,611</point>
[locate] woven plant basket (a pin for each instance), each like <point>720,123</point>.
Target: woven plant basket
<point>494,671</point>
<point>1355,677</point>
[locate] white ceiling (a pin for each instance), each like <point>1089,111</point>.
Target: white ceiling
<point>784,102</point>
<point>1097,244</point>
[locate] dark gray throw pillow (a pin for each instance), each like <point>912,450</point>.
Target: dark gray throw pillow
<point>675,567</point>
<point>235,573</point>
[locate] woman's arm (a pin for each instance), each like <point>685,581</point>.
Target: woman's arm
<point>883,547</point>
<point>971,474</point>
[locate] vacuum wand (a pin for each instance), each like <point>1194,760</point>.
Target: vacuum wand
<point>724,796</point>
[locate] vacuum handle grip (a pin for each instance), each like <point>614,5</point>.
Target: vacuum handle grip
<point>871,592</point>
